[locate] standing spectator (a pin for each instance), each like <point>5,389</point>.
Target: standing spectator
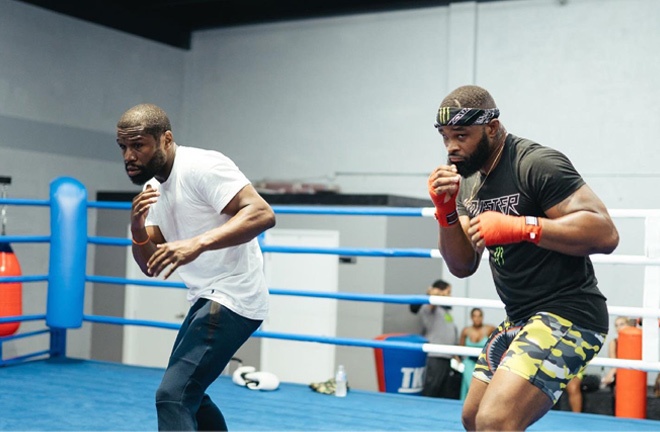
<point>440,380</point>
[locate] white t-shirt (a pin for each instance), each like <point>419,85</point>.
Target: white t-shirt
<point>201,184</point>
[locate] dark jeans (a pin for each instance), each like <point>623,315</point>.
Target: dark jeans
<point>440,380</point>
<point>209,337</point>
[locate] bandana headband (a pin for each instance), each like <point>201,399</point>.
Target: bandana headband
<point>448,116</point>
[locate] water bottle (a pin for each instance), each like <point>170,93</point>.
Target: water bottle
<point>340,382</point>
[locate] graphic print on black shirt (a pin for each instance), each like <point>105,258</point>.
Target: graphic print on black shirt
<point>528,180</point>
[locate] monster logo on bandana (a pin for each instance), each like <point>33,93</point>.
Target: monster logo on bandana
<point>448,116</point>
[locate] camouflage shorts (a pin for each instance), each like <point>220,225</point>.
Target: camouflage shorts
<point>547,350</point>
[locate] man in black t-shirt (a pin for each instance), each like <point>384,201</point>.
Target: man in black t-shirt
<point>540,221</point>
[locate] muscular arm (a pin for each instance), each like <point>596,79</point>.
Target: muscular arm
<point>147,237</point>
<point>250,216</point>
<point>456,249</point>
<point>579,225</point>
<point>453,241</point>
<point>142,253</point>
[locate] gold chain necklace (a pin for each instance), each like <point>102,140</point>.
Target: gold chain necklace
<point>492,167</point>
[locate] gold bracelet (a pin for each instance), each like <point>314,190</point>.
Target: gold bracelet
<point>141,243</point>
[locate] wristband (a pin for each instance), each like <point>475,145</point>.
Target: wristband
<point>143,242</point>
<point>499,229</point>
<point>446,219</point>
<point>445,212</point>
<point>532,229</point>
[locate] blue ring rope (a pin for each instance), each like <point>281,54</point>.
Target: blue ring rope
<point>367,252</point>
<point>109,205</point>
<point>417,346</point>
<point>141,282</point>
<point>34,278</point>
<point>109,241</point>
<point>24,335</point>
<point>387,298</point>
<point>125,321</point>
<point>348,210</point>
<point>384,252</point>
<point>21,359</point>
<point>309,210</point>
<point>24,239</point>
<point>21,318</point>
<point>23,202</point>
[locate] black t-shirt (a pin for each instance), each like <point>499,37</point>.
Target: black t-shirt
<point>528,180</point>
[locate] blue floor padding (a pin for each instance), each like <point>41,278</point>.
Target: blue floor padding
<point>68,394</point>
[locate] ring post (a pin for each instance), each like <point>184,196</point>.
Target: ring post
<point>630,389</point>
<point>68,255</point>
<point>651,296</point>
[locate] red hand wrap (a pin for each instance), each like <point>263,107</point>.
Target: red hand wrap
<point>445,212</point>
<point>499,229</point>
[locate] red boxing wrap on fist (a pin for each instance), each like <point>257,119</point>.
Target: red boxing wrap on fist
<point>499,229</point>
<point>445,212</point>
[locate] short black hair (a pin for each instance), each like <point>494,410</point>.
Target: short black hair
<point>150,117</point>
<point>440,284</point>
<point>469,96</point>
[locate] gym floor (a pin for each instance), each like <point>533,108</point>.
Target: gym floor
<point>70,394</point>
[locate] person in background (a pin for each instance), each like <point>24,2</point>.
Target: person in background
<point>476,336</point>
<point>619,323</point>
<point>574,391</point>
<point>438,328</point>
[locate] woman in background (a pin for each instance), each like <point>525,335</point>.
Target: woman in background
<point>475,335</point>
<point>619,323</point>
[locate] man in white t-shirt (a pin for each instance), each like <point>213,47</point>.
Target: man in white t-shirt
<point>197,214</point>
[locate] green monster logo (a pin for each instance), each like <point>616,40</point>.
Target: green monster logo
<point>498,256</point>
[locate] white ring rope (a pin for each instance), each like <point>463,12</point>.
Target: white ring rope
<point>595,258</point>
<point>464,301</point>
<point>624,260</point>
<point>615,213</point>
<point>633,213</point>
<point>458,350</point>
<point>637,312</point>
<point>647,366</point>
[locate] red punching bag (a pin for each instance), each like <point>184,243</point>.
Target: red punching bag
<point>10,292</point>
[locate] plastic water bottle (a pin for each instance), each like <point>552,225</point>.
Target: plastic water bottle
<point>340,382</point>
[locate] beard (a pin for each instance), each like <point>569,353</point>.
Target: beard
<point>476,160</point>
<point>148,171</point>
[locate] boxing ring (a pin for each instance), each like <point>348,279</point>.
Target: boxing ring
<point>47,390</point>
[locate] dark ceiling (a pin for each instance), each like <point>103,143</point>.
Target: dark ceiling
<point>172,21</point>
